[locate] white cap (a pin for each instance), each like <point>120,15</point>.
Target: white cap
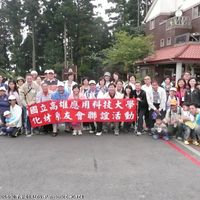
<point>92,82</point>
<point>6,113</point>
<point>11,97</point>
<point>3,88</point>
<point>46,71</point>
<point>60,83</point>
<point>34,72</point>
<point>173,89</point>
<point>51,71</point>
<point>107,74</point>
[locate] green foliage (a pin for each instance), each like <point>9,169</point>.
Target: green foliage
<point>128,49</point>
<point>87,34</point>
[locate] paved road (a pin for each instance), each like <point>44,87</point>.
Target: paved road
<point>100,168</point>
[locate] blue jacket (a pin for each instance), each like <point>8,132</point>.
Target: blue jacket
<point>57,96</point>
<point>4,104</point>
<point>4,85</point>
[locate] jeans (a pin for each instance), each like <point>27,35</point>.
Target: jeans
<point>9,130</point>
<point>141,114</point>
<point>177,131</point>
<point>27,123</point>
<point>100,127</point>
<point>196,133</point>
<point>186,132</point>
<point>163,134</point>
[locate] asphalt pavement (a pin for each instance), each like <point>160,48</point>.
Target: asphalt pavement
<point>96,168</point>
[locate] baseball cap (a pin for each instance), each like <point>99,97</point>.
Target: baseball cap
<point>107,74</point>
<point>46,71</point>
<point>173,89</point>
<point>11,97</point>
<point>33,72</point>
<point>20,78</point>
<point>3,89</point>
<point>6,113</point>
<point>60,83</point>
<point>92,82</point>
<point>51,71</point>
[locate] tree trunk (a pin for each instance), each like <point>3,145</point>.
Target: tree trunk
<point>33,51</point>
<point>65,45</point>
<point>138,12</point>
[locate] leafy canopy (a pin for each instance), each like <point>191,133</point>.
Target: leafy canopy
<point>127,49</point>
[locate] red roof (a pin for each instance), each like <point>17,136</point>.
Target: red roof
<point>181,52</point>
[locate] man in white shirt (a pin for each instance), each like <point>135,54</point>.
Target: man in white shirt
<point>156,98</point>
<point>147,86</point>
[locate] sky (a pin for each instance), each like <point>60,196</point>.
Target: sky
<point>102,6</point>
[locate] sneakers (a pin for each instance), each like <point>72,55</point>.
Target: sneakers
<point>54,134</point>
<point>98,133</point>
<point>29,135</point>
<point>166,138</point>
<point>74,132</point>
<point>155,137</point>
<point>80,132</point>
<point>91,131</point>
<point>179,138</point>
<point>138,133</point>
<point>116,133</point>
<point>186,142</point>
<point>1,133</point>
<point>195,143</point>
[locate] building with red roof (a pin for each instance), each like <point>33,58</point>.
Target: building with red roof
<point>175,26</point>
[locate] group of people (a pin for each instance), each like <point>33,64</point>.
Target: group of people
<point>164,110</point>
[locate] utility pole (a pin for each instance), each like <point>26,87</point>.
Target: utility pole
<point>65,45</point>
<point>33,50</point>
<point>138,17</point>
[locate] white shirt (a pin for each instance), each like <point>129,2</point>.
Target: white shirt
<point>16,112</point>
<point>146,88</point>
<point>162,98</point>
<point>68,87</point>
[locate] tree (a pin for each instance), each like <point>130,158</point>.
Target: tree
<point>128,49</point>
<point>128,15</point>
<point>32,12</point>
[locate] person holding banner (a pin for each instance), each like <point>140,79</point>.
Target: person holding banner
<point>111,94</point>
<point>92,94</point>
<point>43,96</point>
<point>128,94</point>
<point>50,80</point>
<point>59,94</point>
<point>27,93</point>
<point>76,94</point>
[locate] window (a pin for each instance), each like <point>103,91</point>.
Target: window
<point>182,38</point>
<point>162,43</point>
<point>196,11</point>
<point>152,24</point>
<point>169,41</point>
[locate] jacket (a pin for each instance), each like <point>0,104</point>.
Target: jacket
<point>58,96</point>
<point>16,112</point>
<point>143,104</point>
<point>4,104</point>
<point>28,94</point>
<point>193,96</point>
<point>163,99</point>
